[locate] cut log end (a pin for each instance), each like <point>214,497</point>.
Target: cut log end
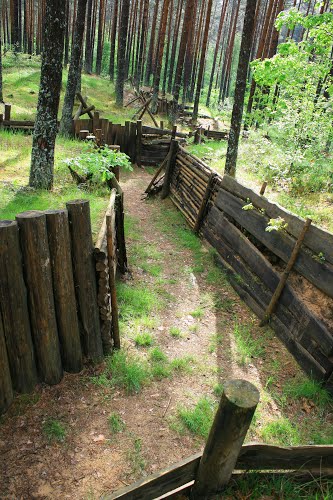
<point>242,393</point>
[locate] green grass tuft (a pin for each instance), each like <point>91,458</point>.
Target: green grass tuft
<point>143,340</point>
<point>176,332</point>
<point>280,432</point>
<point>54,430</point>
<point>116,423</point>
<point>128,372</point>
<point>199,419</point>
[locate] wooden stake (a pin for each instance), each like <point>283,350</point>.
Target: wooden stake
<point>85,278</point>
<point>84,104</point>
<point>6,390</point>
<point>139,143</point>
<point>38,277</point>
<point>64,291</point>
<point>263,188</point>
<point>285,274</point>
<point>169,168</point>
<point>232,421</point>
<point>157,173</point>
<point>114,305</point>
<point>15,313</point>
<point>204,204</point>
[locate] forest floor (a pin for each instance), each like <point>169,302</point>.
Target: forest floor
<point>184,332</point>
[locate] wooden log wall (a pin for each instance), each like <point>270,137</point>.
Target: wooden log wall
<point>143,144</point>
<point>214,206</point>
<point>50,319</point>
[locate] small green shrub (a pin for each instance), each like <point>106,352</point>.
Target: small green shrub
<point>175,332</point>
<point>116,424</point>
<point>199,419</point>
<point>54,430</point>
<point>144,340</point>
<point>127,371</point>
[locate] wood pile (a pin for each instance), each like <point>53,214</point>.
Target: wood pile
<point>189,184</point>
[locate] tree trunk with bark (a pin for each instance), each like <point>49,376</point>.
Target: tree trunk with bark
<point>121,53</point>
<point>243,66</point>
<point>158,69</point>
<point>66,123</point>
<point>42,157</point>
<point>151,44</point>
<point>202,62</point>
<point>113,39</point>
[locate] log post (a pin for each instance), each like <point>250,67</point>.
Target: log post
<point>38,277</point>
<point>6,390</point>
<point>8,109</point>
<point>14,307</point>
<point>169,169</point>
<point>263,188</point>
<point>121,242</point>
<point>110,222</point>
<point>138,143</point>
<point>204,203</point>
<point>95,121</point>
<point>85,278</point>
<point>133,142</point>
<point>232,420</point>
<point>83,134</point>
<point>63,288</point>
<point>127,137</point>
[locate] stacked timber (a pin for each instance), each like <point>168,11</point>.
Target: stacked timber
<point>189,184</point>
<point>103,277</point>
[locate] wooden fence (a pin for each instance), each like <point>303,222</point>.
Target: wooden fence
<point>50,320</point>
<point>206,474</point>
<point>234,219</point>
<point>143,144</point>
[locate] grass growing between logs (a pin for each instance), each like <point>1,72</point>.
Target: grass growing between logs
<point>258,486</point>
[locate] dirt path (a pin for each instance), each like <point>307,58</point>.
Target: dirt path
<point>203,312</point>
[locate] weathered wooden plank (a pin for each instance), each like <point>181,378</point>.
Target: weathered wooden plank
<point>6,389</point>
<point>252,457</point>
<point>306,324</point>
<point>279,242</point>
<point>15,312</point>
<point>257,298</point>
<point>317,239</point>
<point>158,131</point>
<point>162,482</point>
<point>38,278</point>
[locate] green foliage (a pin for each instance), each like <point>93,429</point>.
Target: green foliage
<point>127,371</point>
<point>116,423</point>
<point>278,224</point>
<point>199,419</point>
<point>294,101</point>
<point>308,389</point>
<point>280,431</point>
<point>98,163</point>
<point>247,345</point>
<point>175,332</point>
<point>143,340</point>
<point>257,486</point>
<point>54,430</point>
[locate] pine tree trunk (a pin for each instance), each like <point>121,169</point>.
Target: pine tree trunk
<point>42,157</point>
<point>100,37</point>
<point>67,29</point>
<point>66,123</point>
<point>1,90</point>
<point>142,42</point>
<point>113,40</point>
<point>218,40</point>
<point>151,43</point>
<point>174,43</point>
<point>88,53</point>
<point>243,66</point>
<point>162,32</point>
<point>202,63</point>
<point>167,55</point>
<point>182,50</point>
<point>121,63</point>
